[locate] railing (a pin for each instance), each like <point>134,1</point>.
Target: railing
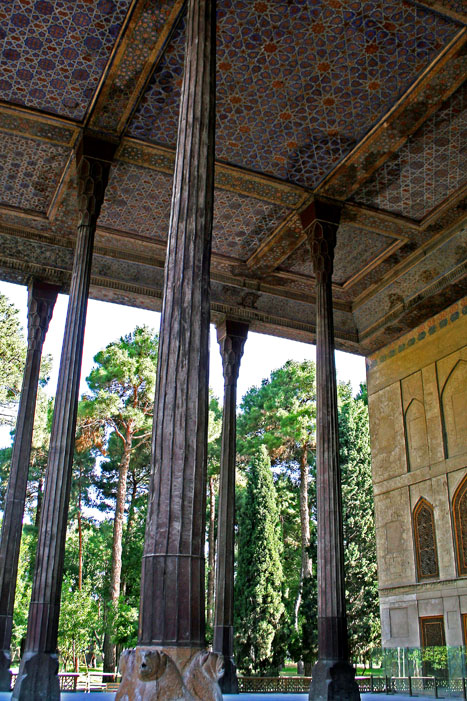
<point>411,686</point>
<point>256,685</point>
<point>68,680</point>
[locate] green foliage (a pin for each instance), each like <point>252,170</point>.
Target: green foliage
<point>280,414</point>
<point>124,624</point>
<point>12,357</point>
<point>258,586</point>
<point>359,528</point>
<point>23,586</point>
<point>79,621</point>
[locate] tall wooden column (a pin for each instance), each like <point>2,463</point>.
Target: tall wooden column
<point>172,613</point>
<point>41,301</point>
<point>231,336</point>
<point>37,678</point>
<point>333,677</point>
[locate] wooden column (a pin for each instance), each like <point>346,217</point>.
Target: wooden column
<point>37,678</point>
<point>41,301</point>
<point>231,336</point>
<point>332,677</point>
<point>172,613</point>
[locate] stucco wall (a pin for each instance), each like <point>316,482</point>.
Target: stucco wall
<point>417,391</point>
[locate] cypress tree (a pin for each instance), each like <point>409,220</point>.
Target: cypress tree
<point>258,585</point>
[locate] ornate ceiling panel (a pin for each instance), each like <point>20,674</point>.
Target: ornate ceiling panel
<point>355,249</point>
<point>298,84</point>
<point>430,166</point>
<point>54,51</point>
<point>242,223</point>
<point>138,200</point>
<point>30,171</point>
<point>361,98</point>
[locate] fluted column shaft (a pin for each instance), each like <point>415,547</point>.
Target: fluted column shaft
<point>41,301</point>
<point>231,336</point>
<point>332,630</point>
<point>172,589</point>
<point>333,677</point>
<point>37,676</point>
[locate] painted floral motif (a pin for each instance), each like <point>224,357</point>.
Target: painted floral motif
<point>54,51</point>
<point>430,166</point>
<point>29,171</point>
<point>298,84</point>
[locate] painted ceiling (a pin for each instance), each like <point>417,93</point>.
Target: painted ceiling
<point>361,102</point>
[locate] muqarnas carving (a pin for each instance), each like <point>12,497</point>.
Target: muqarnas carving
<point>149,674</point>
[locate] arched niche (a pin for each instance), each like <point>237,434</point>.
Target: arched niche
<point>425,540</point>
<point>416,435</point>
<point>459,510</point>
<point>454,409</point>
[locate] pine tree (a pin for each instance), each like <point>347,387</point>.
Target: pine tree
<point>359,527</point>
<point>258,585</point>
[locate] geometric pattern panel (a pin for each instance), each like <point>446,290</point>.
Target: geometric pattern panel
<point>298,84</point>
<point>54,51</point>
<point>138,200</point>
<point>30,171</point>
<point>355,248</point>
<point>428,168</point>
<point>241,223</point>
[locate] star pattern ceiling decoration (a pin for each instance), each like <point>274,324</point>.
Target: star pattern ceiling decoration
<point>138,200</point>
<point>430,166</point>
<point>54,51</point>
<point>30,171</point>
<point>355,248</point>
<point>241,223</point>
<point>298,84</point>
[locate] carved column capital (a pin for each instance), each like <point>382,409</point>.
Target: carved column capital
<point>320,221</point>
<point>93,160</point>
<point>41,301</point>
<point>231,336</point>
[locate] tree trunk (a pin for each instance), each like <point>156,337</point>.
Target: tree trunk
<point>39,503</point>
<point>212,552</point>
<point>129,525</point>
<point>306,569</point>
<point>80,538</point>
<point>116,570</point>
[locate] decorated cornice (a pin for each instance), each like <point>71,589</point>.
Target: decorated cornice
<point>438,82</point>
<point>144,40</point>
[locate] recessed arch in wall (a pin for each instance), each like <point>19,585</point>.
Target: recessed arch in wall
<point>425,540</point>
<point>416,435</point>
<point>454,409</point>
<point>459,510</point>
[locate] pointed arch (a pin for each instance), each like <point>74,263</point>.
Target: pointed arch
<point>459,510</point>
<point>416,434</point>
<point>425,540</point>
<point>454,409</point>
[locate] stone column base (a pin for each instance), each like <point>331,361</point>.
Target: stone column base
<point>37,678</point>
<point>5,674</point>
<point>154,673</point>
<point>229,682</point>
<point>333,681</point>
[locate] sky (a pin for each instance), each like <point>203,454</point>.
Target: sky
<point>107,322</point>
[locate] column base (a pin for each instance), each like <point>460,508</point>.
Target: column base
<point>333,681</point>
<point>37,678</point>
<point>228,683</point>
<point>5,674</point>
<point>169,674</point>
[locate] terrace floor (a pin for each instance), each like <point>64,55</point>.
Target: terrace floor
<point>103,696</point>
